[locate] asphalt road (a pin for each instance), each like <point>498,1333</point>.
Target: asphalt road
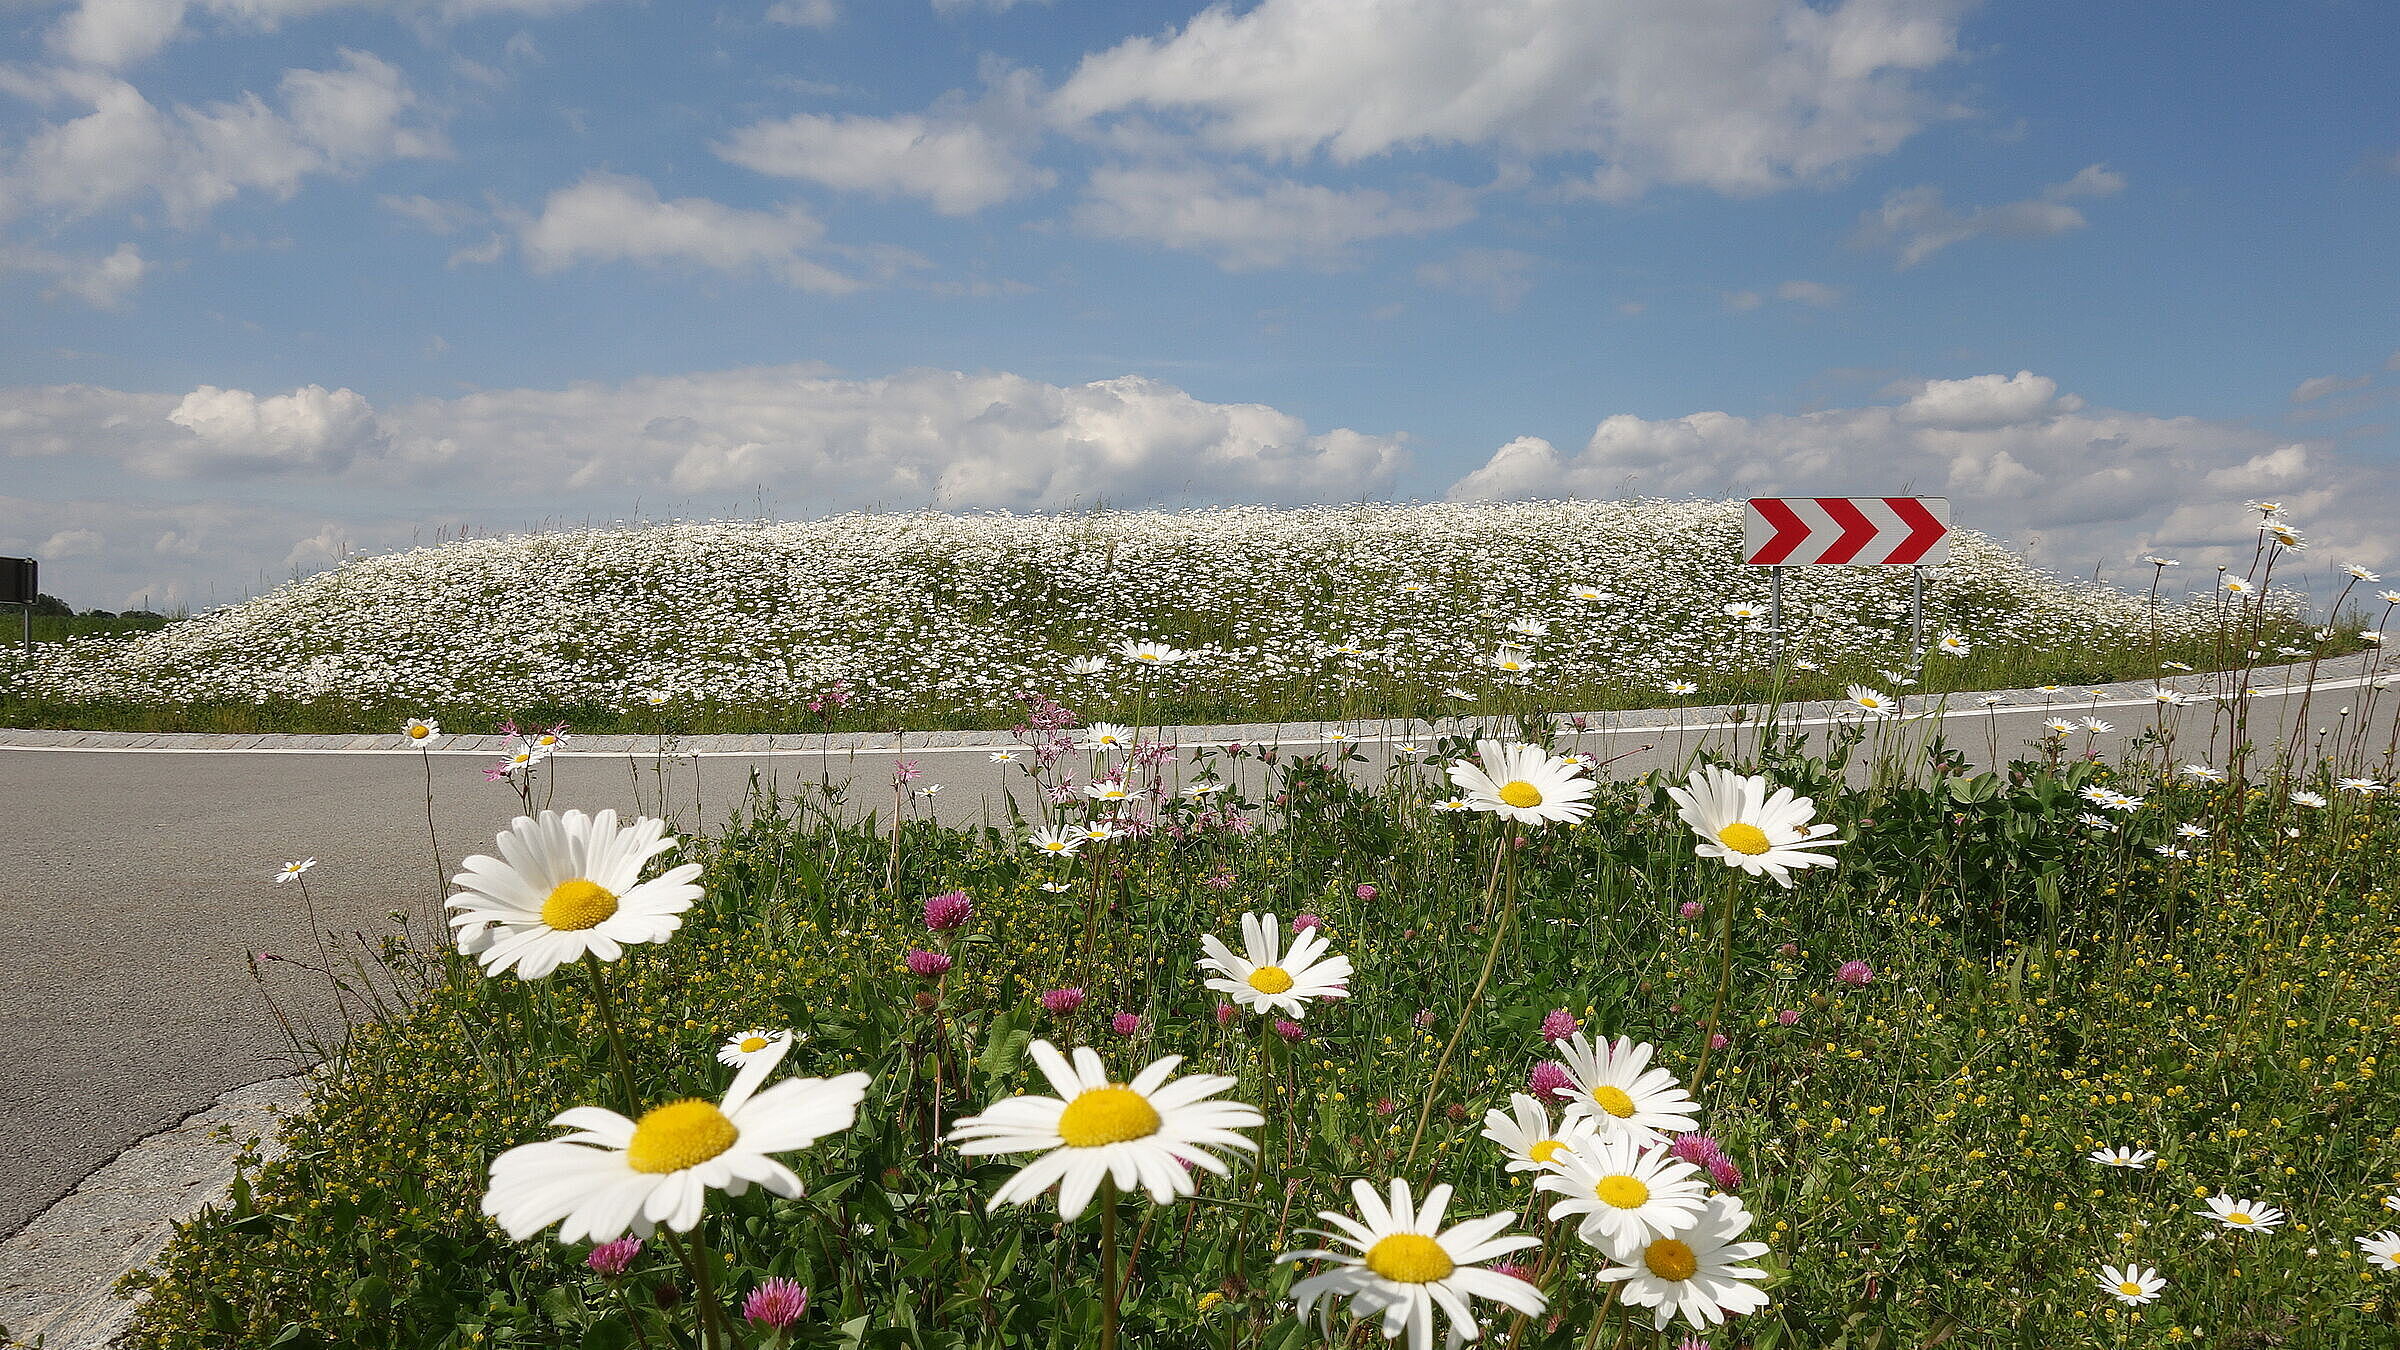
<point>132,883</point>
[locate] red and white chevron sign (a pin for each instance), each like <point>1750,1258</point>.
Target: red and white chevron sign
<point>1857,530</point>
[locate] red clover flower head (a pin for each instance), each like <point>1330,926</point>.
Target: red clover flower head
<point>927,965</point>
<point>777,1303</point>
<point>947,911</point>
<point>611,1258</point>
<point>1857,974</point>
<point>1060,1002</point>
<point>1559,1025</point>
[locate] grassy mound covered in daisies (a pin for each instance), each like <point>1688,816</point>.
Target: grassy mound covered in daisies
<point>926,620</point>
<point>1925,1044</point>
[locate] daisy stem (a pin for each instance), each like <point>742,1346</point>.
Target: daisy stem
<point>1600,1318</point>
<point>1504,862</point>
<point>616,1038</point>
<point>1109,1288</point>
<point>1716,1009</point>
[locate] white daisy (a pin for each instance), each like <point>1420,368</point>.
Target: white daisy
<point>2096,726</point>
<point>568,885</point>
<point>2202,773</point>
<point>1871,702</point>
<point>2382,1249</point>
<point>1407,1265</point>
<point>1625,1195</point>
<point>1513,660</point>
<point>1268,979</point>
<point>421,732</point>
<point>1087,665</point>
<point>657,698</point>
<point>613,1173</point>
<point>2057,726</point>
<point>1697,1272</point>
<point>2392,1201</point>
<point>2097,822</point>
<point>1108,790</point>
<point>1055,840</point>
<point>2169,698</point>
<point>1524,783</point>
<point>1107,736</point>
<point>1680,688</point>
<point>753,1045</point>
<point>1098,832</point>
<point>1587,593</point>
<point>1005,757</point>
<point>1151,653</point>
<point>1743,609</point>
<point>2365,787</point>
<point>2132,1285</point>
<point>293,869</point>
<point>1056,887</point>
<point>1530,628</point>
<point>1205,788</point>
<point>2309,799</point>
<point>1524,1133</point>
<point>2133,1158</point>
<point>2247,1215</point>
<point>1453,804</point>
<point>1740,823</point>
<point>1611,1091</point>
<point>1148,1133</point>
<point>1951,644</point>
<point>2358,573</point>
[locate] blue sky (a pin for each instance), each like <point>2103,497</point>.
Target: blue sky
<point>289,277</point>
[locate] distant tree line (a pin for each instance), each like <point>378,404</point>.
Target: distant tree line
<point>50,606</point>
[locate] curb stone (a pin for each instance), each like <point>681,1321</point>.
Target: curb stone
<point>58,1274</point>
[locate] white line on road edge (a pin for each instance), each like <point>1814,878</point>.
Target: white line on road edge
<point>1679,728</point>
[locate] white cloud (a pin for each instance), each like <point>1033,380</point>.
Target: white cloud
<point>614,218</point>
<point>1501,277</point>
<point>1917,223</point>
<point>1244,219</point>
<point>438,217</point>
<point>2317,387</point>
<point>960,158</point>
<point>234,431</point>
<point>1814,293</point>
<point>196,158</point>
<point>2016,457</point>
<point>1736,95</point>
<point>803,13</point>
<point>995,6</point>
<point>103,283</point>
<point>75,542</point>
<point>112,34</point>
<point>1742,302</point>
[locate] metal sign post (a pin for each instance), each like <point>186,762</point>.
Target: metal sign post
<point>1916,611</point>
<point>1911,532</point>
<point>1775,611</point>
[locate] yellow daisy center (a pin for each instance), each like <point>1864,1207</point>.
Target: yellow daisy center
<point>678,1135</point>
<point>2240,1216</point>
<point>2130,1288</point>
<point>1743,837</point>
<point>577,904</point>
<point>1546,1150</point>
<point>1613,1100</point>
<point>418,733</point>
<point>1270,979</point>
<point>753,1044</point>
<point>1670,1260</point>
<point>1107,1115</point>
<point>1521,795</point>
<point>1410,1258</point>
<point>1622,1191</point>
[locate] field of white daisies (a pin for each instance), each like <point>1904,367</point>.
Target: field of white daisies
<point>905,621</point>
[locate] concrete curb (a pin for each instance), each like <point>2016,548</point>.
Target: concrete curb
<point>58,1274</point>
<point>2340,671</point>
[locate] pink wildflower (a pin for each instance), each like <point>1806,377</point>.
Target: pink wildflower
<point>1727,1176</point>
<point>1788,1016</point>
<point>1514,1271</point>
<point>1367,891</point>
<point>1060,1002</point>
<point>1424,1019</point>
<point>927,965</point>
<point>1699,1150</point>
<point>1126,1024</point>
<point>1288,1029</point>
<point>1856,974</point>
<point>1716,1040</point>
<point>948,910</point>
<point>1224,1014</point>
<point>1301,923</point>
<point>1692,908</point>
<point>906,771</point>
<point>1559,1025</point>
<point>777,1303</point>
<point>1550,1081</point>
<point>1219,880</point>
<point>611,1258</point>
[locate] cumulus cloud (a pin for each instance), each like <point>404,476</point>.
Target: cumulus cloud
<point>1916,223</point>
<point>920,437</point>
<point>103,283</point>
<point>1245,219</point>
<point>957,157</point>
<point>617,218</point>
<point>194,159</point>
<point>1814,293</point>
<point>1740,96</point>
<point>234,431</point>
<point>111,34</point>
<point>2016,457</point>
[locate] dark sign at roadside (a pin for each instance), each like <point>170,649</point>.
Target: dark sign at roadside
<point>20,581</point>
